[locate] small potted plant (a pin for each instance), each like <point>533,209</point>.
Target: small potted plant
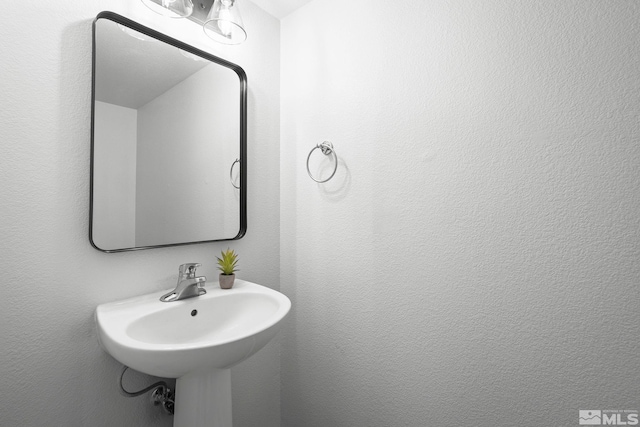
<point>227,266</point>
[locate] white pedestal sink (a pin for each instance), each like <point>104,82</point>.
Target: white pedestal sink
<point>195,340</point>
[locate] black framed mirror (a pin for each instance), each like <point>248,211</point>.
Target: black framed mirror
<point>168,141</point>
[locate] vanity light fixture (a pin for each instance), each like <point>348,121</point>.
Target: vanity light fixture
<point>224,23</point>
<point>135,34</point>
<point>191,56</point>
<point>220,19</point>
<point>170,8</point>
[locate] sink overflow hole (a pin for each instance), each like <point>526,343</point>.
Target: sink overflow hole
<point>194,312</point>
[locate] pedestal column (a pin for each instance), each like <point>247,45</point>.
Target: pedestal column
<point>203,399</point>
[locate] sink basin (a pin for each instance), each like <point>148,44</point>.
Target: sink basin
<point>170,339</point>
<point>195,340</point>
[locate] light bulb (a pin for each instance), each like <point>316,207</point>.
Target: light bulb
<point>226,27</point>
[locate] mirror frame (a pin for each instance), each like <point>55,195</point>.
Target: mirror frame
<point>243,123</point>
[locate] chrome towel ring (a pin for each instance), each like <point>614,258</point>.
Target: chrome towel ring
<point>327,149</point>
<point>231,173</point>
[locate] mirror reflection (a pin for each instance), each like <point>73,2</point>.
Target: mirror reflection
<point>168,141</point>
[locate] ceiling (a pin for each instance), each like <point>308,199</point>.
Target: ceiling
<point>280,8</point>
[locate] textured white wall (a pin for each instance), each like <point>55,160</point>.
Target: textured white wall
<point>52,371</point>
<point>475,260</point>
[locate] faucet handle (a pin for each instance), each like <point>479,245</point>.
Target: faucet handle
<point>188,271</point>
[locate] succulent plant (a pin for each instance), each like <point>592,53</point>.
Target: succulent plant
<point>227,264</point>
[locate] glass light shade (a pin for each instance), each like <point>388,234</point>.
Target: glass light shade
<point>224,23</point>
<point>170,8</point>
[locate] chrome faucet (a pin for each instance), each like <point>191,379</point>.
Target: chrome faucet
<point>188,284</point>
